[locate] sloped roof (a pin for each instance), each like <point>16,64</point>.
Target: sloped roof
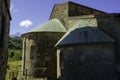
<point>87,7</point>
<point>84,34</point>
<point>77,5</point>
<point>53,25</point>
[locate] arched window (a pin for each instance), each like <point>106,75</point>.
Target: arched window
<point>32,51</point>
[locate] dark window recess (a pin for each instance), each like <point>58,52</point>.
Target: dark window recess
<point>61,59</point>
<point>32,52</point>
<point>2,30</point>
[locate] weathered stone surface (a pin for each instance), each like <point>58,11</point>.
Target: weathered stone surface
<point>88,62</point>
<point>4,36</point>
<point>40,54</point>
<point>111,25</point>
<point>64,12</point>
<point>75,9</point>
<point>88,18</point>
<point>60,11</point>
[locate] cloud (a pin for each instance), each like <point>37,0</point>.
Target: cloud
<point>25,23</point>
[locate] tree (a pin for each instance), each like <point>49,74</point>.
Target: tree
<point>15,48</point>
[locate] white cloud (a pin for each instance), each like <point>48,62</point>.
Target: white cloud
<point>25,23</point>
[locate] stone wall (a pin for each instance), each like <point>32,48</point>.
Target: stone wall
<point>107,24</point>
<point>75,9</point>
<point>89,62</point>
<point>60,11</point>
<point>111,25</point>
<point>89,18</point>
<point>4,37</point>
<point>117,22</point>
<point>64,11</point>
<point>39,54</point>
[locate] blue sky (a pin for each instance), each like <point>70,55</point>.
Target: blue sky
<point>27,14</point>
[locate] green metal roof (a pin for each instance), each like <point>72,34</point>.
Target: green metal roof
<point>53,25</point>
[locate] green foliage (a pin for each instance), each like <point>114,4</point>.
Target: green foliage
<point>15,48</point>
<point>15,43</point>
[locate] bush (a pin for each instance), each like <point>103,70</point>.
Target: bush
<point>15,49</point>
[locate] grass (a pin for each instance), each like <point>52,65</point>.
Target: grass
<point>15,65</point>
<point>14,68</point>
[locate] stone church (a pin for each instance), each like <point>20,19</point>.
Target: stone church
<point>5,18</point>
<point>77,43</point>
